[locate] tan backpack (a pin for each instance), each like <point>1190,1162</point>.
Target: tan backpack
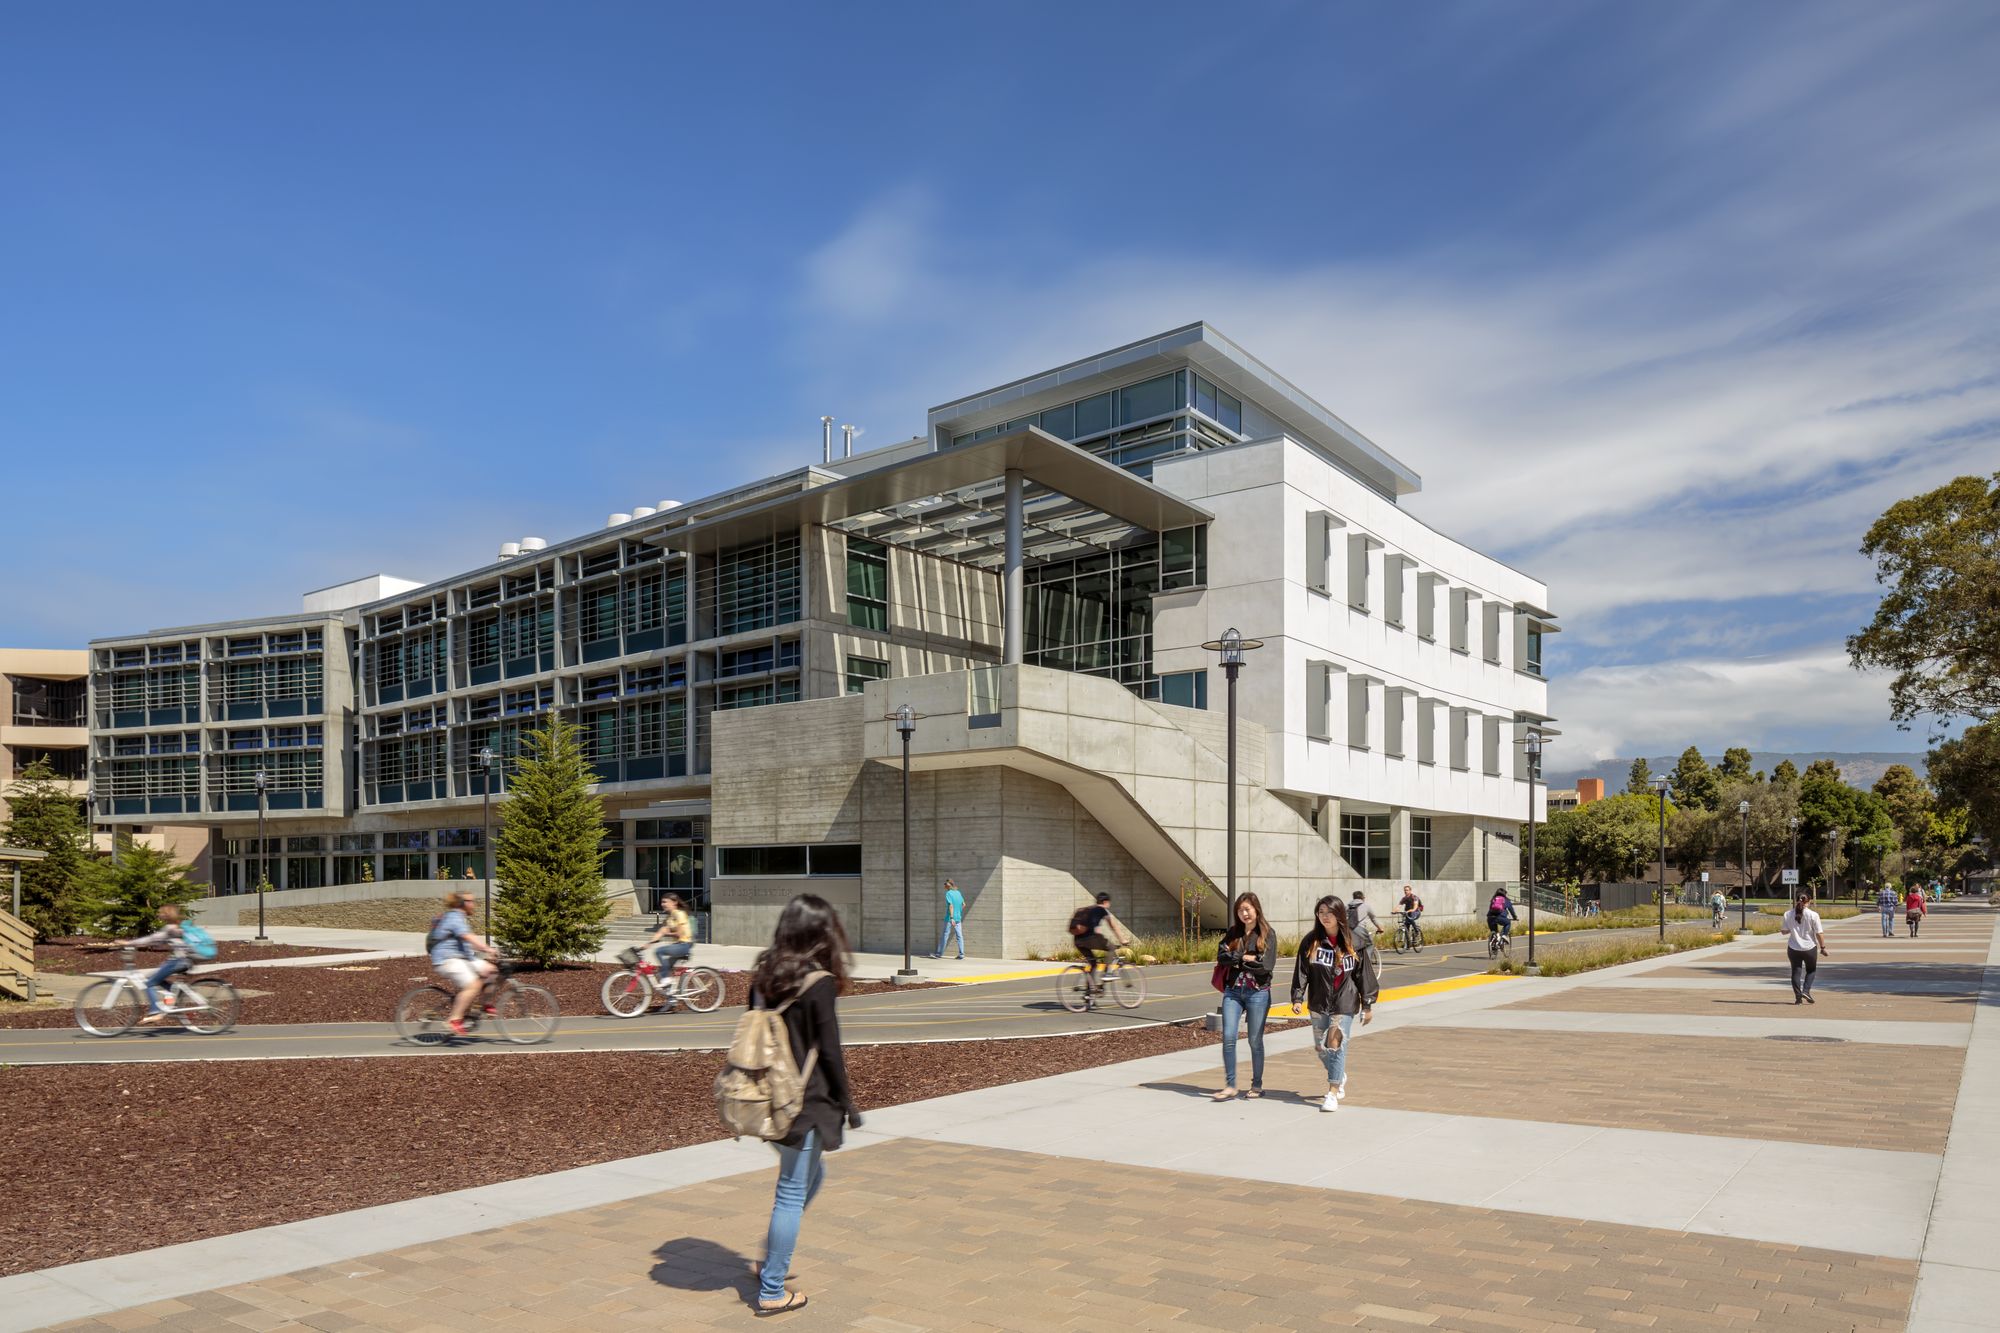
<point>761,1088</point>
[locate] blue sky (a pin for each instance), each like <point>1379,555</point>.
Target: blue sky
<point>1664,302</point>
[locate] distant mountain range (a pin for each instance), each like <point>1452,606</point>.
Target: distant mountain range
<point>1858,770</point>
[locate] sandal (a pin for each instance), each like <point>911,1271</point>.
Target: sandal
<point>1254,1093</point>
<point>793,1301</point>
<point>1226,1095</point>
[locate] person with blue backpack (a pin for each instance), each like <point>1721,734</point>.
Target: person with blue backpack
<point>182,943</point>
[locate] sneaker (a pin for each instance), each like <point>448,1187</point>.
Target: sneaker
<point>1809,998</point>
<point>457,1026</point>
<point>1341,1091</point>
<point>1332,1101</point>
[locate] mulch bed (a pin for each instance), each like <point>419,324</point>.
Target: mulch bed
<point>368,992</point>
<point>257,1143</point>
<point>78,954</point>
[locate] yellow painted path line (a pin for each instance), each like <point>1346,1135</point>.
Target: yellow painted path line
<point>1404,992</point>
<point>1047,971</point>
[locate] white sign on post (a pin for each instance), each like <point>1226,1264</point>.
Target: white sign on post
<point>1704,877</point>
<point>1791,878</point>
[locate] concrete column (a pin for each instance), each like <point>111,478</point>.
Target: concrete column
<point>1399,845</point>
<point>1011,585</point>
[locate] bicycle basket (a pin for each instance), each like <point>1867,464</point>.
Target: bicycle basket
<point>629,957</point>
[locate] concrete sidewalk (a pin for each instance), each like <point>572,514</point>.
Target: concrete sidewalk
<point>1497,1163</point>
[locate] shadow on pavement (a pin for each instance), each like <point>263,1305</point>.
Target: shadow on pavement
<point>694,1264</point>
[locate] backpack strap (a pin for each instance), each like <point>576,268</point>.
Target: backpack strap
<point>811,979</point>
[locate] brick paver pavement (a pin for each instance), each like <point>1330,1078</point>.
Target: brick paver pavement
<point>1894,1097</point>
<point>1749,1003</point>
<point>915,1235</point>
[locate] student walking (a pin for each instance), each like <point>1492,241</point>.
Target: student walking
<point>1243,963</point>
<point>1885,903</point>
<point>1914,909</point>
<point>1362,921</point>
<point>807,965</point>
<point>1336,980</point>
<point>1805,944</point>
<point>954,920</point>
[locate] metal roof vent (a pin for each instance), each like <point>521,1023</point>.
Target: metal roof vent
<point>617,520</point>
<point>508,550</point>
<point>533,544</point>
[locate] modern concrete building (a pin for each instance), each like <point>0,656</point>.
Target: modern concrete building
<point>42,716</point>
<point>1035,573</point>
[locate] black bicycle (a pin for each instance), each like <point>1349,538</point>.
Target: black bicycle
<point>519,1012</point>
<point>1409,934</point>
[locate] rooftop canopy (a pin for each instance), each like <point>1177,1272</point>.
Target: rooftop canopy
<point>951,503</point>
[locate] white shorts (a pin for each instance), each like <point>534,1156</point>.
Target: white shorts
<point>459,972</point>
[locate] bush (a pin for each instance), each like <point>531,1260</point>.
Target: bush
<point>123,896</point>
<point>1610,953</point>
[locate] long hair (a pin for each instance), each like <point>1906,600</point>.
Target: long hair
<point>1800,906</point>
<point>809,939</point>
<point>1260,925</point>
<point>1343,932</point>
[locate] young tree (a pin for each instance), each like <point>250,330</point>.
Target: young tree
<point>43,817</point>
<point>1639,781</point>
<point>1938,626</point>
<point>1694,782</point>
<point>1786,774</point>
<point>548,871</point>
<point>123,896</point>
<point>1735,766</point>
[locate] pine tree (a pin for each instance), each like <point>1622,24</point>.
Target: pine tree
<point>43,817</point>
<point>549,875</point>
<point>1694,781</point>
<point>1639,782</point>
<point>1786,774</point>
<point>123,896</point>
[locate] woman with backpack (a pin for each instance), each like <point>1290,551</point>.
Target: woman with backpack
<point>1914,909</point>
<point>1243,963</point>
<point>1336,980</point>
<point>800,975</point>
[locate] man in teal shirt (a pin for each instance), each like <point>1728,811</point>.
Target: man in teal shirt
<point>954,919</point>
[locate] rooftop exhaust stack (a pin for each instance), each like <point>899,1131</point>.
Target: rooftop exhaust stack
<point>826,439</point>
<point>533,544</point>
<point>508,550</point>
<point>616,520</point>
<point>847,450</point>
<point>664,505</point>
<point>644,511</point>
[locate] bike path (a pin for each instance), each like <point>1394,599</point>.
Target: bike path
<point>989,1011</point>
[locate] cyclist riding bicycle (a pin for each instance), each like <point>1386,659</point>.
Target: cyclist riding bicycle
<point>1087,927</point>
<point>452,947</point>
<point>1411,906</point>
<point>1717,902</point>
<point>171,936</point>
<point>1500,914</point>
<point>678,933</point>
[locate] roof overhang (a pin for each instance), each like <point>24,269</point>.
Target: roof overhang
<point>950,503</point>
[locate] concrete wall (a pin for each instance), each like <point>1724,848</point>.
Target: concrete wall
<point>332,904</point>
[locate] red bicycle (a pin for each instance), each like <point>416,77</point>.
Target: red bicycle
<point>631,992</point>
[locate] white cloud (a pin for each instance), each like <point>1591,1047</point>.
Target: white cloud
<point>1810,701</point>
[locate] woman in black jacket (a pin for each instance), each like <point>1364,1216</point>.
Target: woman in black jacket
<point>809,940</point>
<point>1336,981</point>
<point>1244,961</point>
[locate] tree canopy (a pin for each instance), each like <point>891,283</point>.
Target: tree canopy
<point>1735,766</point>
<point>1967,774</point>
<point>1937,627</point>
<point>1694,782</point>
<point>1786,774</point>
<point>1639,781</point>
<point>123,896</point>
<point>43,817</point>
<point>550,874</point>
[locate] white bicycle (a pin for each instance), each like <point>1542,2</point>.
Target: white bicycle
<point>113,1006</point>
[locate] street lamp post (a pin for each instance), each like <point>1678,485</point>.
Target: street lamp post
<point>1795,847</point>
<point>1832,851</point>
<point>1232,645</point>
<point>1660,785</point>
<point>486,828</point>
<point>1743,899</point>
<point>905,719</point>
<point>263,852</point>
<point>1532,745</point>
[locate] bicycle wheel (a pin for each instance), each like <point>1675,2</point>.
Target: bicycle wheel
<point>107,1008</point>
<point>1403,939</point>
<point>422,1013</point>
<point>1127,987</point>
<point>526,1015</point>
<point>1071,988</point>
<point>1493,945</point>
<point>701,989</point>
<point>1506,946</point>
<point>1416,939</point>
<point>627,994</point>
<point>219,1004</point>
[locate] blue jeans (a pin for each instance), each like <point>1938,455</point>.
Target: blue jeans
<point>949,928</point>
<point>1335,1061</point>
<point>1889,924</point>
<point>667,954</point>
<point>1237,1001</point>
<point>800,1173</point>
<point>159,978</point>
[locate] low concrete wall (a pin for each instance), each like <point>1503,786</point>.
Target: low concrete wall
<point>390,904</point>
<point>745,911</point>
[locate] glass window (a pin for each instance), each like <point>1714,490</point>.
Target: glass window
<point>867,584</point>
<point>482,642</point>
<point>757,586</point>
<point>1060,421</point>
<point>1364,844</point>
<point>1229,411</point>
<point>835,858</point>
<point>1183,558</point>
<point>1153,398</point>
<point>597,613</point>
<point>861,670</point>
<point>1420,847</point>
<point>1187,689</point>
<point>1093,415</point>
<point>761,860</point>
<point>1535,650</point>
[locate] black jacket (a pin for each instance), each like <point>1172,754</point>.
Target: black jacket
<point>1332,982</point>
<point>1235,944</point>
<point>812,1025</point>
